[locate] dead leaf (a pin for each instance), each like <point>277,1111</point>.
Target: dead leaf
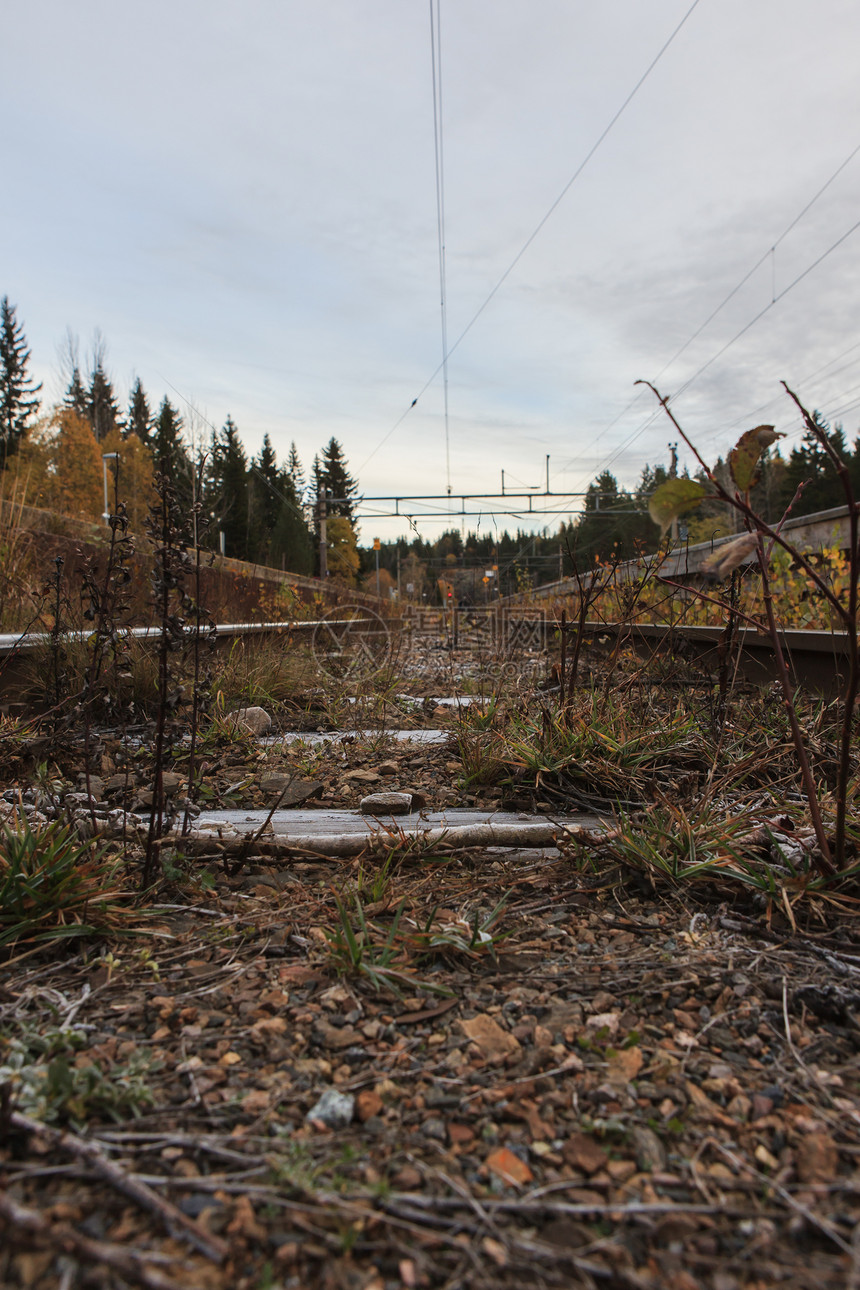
<point>505,1165</point>
<point>244,1221</point>
<point>367,1103</point>
<point>744,457</point>
<point>729,556</point>
<point>496,1251</point>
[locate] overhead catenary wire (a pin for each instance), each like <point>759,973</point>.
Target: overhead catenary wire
<point>541,223</point>
<point>439,153</point>
<point>613,456</point>
<point>636,434</point>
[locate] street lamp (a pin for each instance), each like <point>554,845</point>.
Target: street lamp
<point>105,458</point>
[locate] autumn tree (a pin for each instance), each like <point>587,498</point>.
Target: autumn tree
<point>130,476</point>
<point>18,394</point>
<point>77,484</point>
<point>342,553</point>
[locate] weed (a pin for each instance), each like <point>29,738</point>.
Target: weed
<point>46,1080</point>
<point>53,886</point>
<point>842,600</point>
<point>360,950</point>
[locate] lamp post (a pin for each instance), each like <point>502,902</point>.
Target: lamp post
<point>106,456</point>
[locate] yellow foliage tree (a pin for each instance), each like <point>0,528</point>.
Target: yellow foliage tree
<point>31,472</point>
<point>386,583</point>
<point>77,478</point>
<point>130,477</point>
<point>343,559</point>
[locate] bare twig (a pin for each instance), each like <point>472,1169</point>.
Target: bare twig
<point>176,1222</point>
<point>128,1263</point>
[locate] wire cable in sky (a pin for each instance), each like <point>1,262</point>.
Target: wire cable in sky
<point>776,299</point>
<point>607,461</point>
<point>525,246</point>
<point>439,152</point>
<point>769,252</point>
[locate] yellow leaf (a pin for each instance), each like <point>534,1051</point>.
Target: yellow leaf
<point>673,498</point>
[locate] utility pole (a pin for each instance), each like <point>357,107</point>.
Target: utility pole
<point>323,547</point>
<point>673,474</point>
<point>376,545</point>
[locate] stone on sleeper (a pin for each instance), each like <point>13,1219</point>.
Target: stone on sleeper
<point>386,804</point>
<point>333,1109</point>
<point>255,720</point>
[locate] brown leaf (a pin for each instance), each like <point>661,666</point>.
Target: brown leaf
<point>731,554</point>
<point>496,1251</point>
<point>426,1014</point>
<point>367,1103</point>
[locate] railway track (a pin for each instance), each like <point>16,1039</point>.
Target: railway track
<point>809,533</point>
<point>817,660</point>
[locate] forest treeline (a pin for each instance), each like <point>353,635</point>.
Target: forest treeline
<point>254,508</point>
<point>258,509</point>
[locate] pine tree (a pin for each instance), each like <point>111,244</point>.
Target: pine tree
<point>229,489</point>
<point>102,409</point>
<point>75,398</point>
<point>18,394</point>
<point>264,501</point>
<point>171,455</point>
<point>338,482</point>
<point>810,466</point>
<point>296,471</point>
<point>139,419</point>
<point>293,544</point>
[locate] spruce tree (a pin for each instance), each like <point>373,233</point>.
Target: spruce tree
<point>264,500</point>
<point>338,482</point>
<point>229,487</point>
<point>296,472</point>
<point>139,419</point>
<point>18,394</point>
<point>171,455</point>
<point>75,398</point>
<point>293,545</point>
<point>102,410</point>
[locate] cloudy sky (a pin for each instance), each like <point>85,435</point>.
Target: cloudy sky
<point>242,199</point>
